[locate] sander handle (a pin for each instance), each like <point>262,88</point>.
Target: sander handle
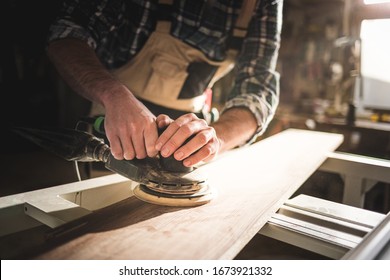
<point>167,163</point>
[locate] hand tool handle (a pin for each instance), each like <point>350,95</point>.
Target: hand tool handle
<point>168,163</point>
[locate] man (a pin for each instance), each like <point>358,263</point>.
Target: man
<point>90,40</point>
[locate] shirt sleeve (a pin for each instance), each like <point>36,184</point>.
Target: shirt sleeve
<point>115,29</point>
<point>256,84</point>
<point>74,21</point>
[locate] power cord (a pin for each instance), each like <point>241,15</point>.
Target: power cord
<point>76,165</point>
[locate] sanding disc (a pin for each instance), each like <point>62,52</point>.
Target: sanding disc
<point>205,195</point>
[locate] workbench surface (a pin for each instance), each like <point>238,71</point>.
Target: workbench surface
<point>251,183</point>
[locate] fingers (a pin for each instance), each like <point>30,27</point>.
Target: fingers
<point>189,139</point>
<point>130,126</point>
<point>133,140</point>
<point>177,132</point>
<point>121,144</point>
<point>139,144</point>
<point>150,135</point>
<point>116,147</point>
<point>163,121</point>
<point>205,144</point>
<point>140,141</point>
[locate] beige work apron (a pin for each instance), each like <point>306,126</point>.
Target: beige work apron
<point>157,73</point>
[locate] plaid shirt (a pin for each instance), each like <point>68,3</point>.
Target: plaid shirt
<point>117,30</point>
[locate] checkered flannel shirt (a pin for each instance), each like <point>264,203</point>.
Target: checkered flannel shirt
<point>117,30</point>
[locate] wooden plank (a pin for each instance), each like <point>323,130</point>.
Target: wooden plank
<point>252,183</point>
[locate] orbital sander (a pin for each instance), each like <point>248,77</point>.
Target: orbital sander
<point>162,181</point>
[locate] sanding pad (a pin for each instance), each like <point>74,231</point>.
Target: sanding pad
<point>203,196</point>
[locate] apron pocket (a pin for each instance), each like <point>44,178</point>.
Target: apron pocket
<point>199,77</point>
<point>167,78</point>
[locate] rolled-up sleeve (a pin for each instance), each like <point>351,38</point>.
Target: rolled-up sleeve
<point>256,85</point>
<point>65,28</point>
<point>73,21</point>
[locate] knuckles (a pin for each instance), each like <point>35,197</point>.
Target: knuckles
<point>176,125</point>
<point>186,130</point>
<point>203,123</point>
<point>208,150</point>
<point>191,116</point>
<point>202,138</point>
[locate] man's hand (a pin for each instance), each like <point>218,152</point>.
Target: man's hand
<point>203,143</point>
<point>192,140</point>
<point>130,127</point>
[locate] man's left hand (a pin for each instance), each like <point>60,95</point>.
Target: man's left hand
<point>189,138</point>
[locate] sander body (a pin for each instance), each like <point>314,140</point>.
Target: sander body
<point>162,181</point>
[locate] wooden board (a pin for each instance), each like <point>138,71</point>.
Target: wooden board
<point>252,183</point>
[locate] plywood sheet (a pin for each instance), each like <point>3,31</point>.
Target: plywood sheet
<point>252,183</point>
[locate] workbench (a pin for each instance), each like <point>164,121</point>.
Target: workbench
<point>99,218</point>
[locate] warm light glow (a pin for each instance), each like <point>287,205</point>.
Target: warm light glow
<point>375,64</point>
<point>375,48</point>
<point>368,2</point>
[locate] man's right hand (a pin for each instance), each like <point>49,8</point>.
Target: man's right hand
<point>130,127</point>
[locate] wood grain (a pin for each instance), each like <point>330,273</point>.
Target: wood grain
<point>252,183</point>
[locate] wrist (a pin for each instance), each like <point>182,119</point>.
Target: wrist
<point>112,93</point>
<point>235,127</point>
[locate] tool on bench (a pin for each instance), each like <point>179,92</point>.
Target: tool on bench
<point>163,181</point>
